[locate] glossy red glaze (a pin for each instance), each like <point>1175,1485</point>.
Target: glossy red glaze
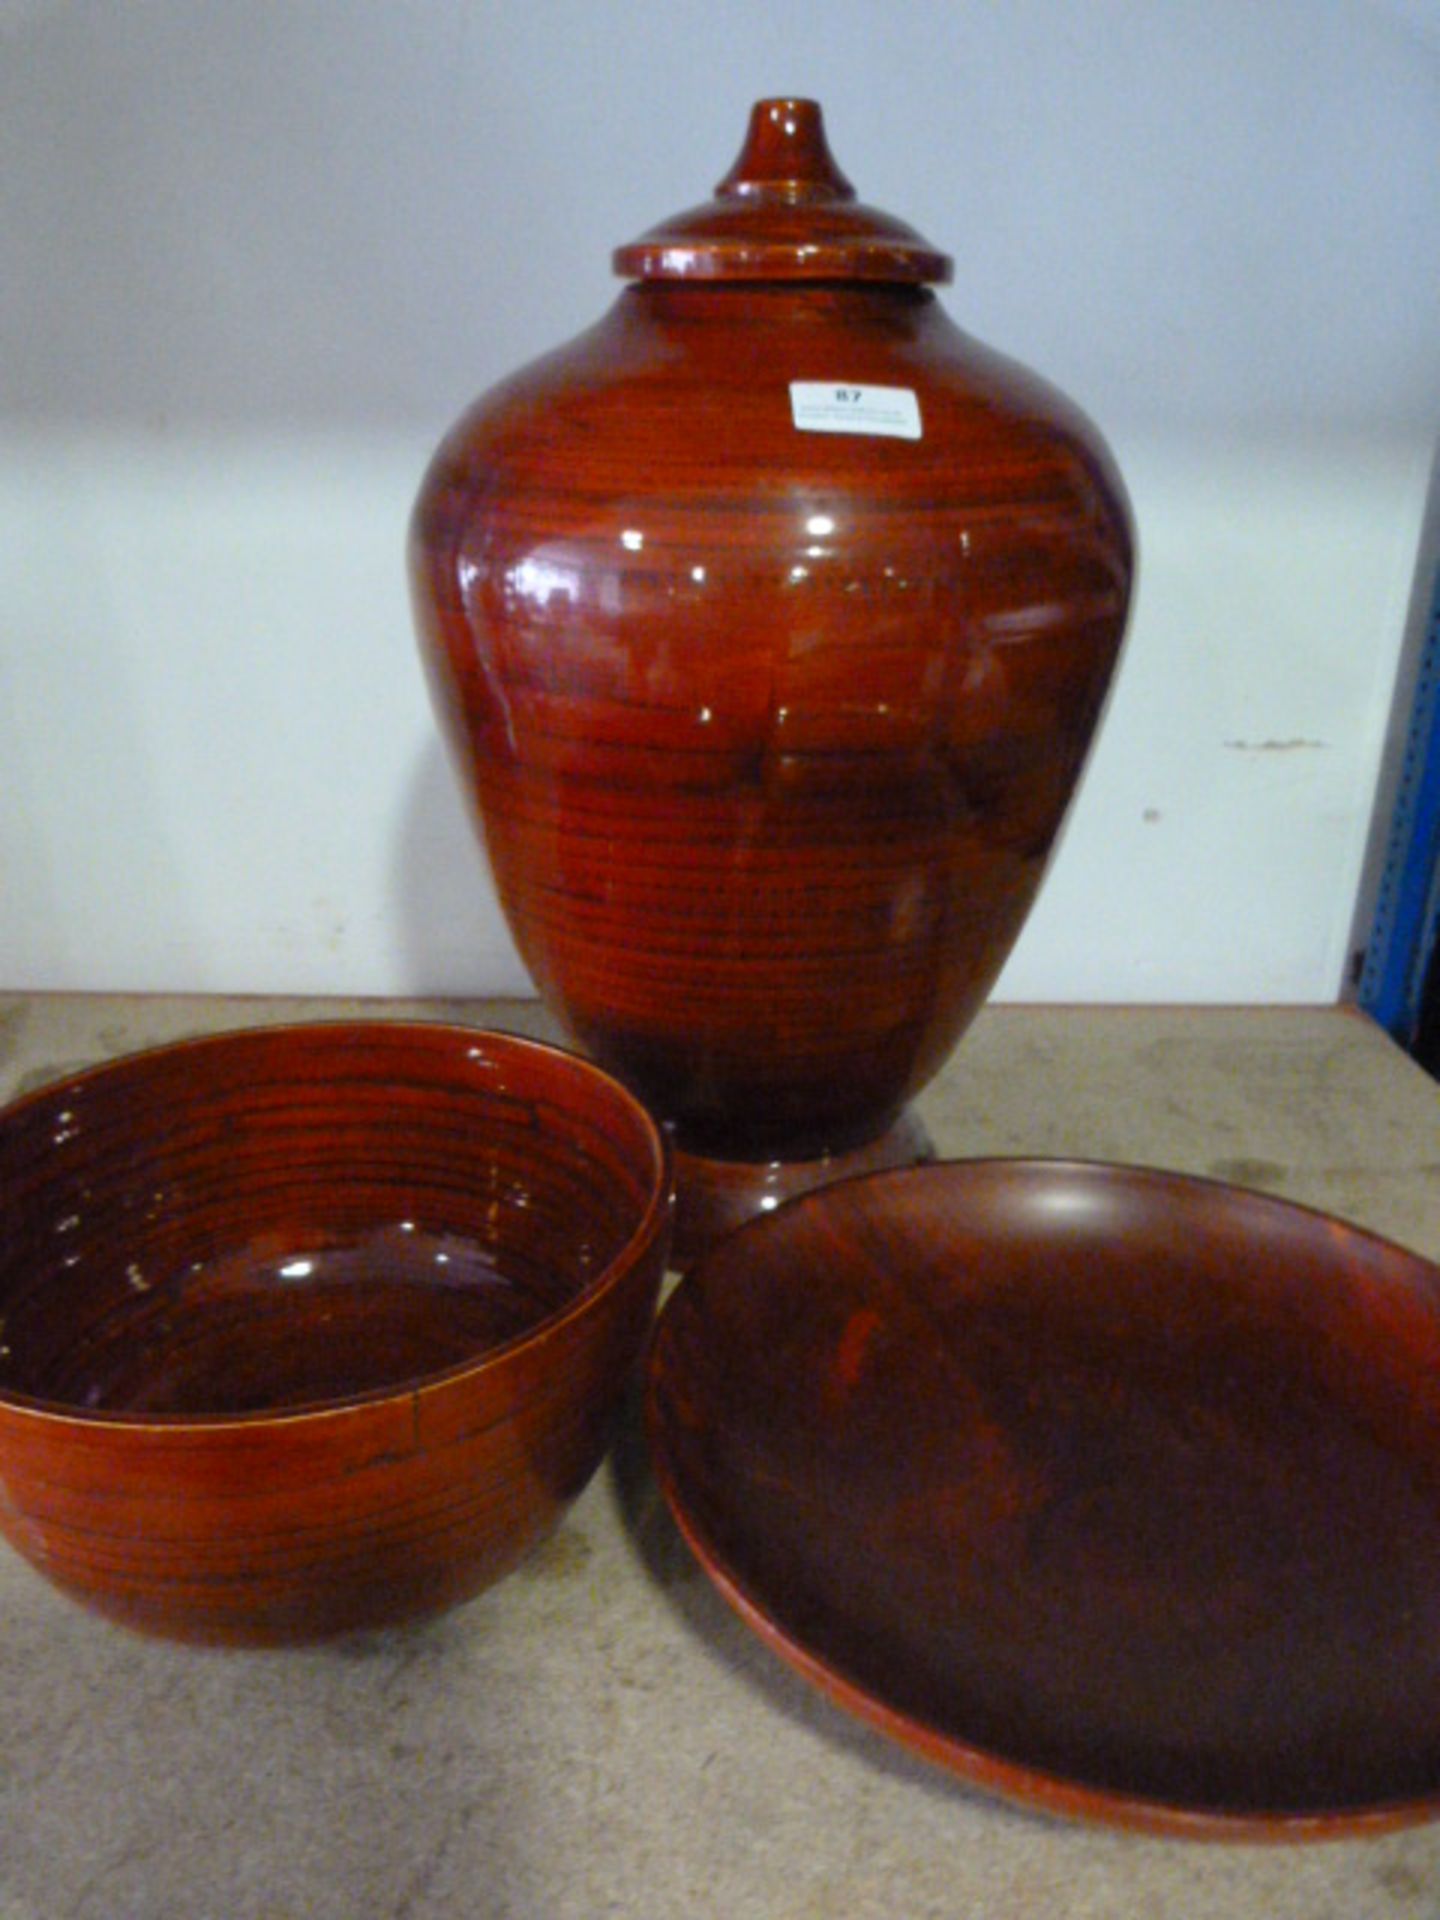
<point>317,1328</point>
<point>770,731</point>
<point>720,1195</point>
<point>784,211</point>
<point>1113,1491</point>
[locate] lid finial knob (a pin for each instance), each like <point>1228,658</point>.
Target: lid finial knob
<point>786,154</point>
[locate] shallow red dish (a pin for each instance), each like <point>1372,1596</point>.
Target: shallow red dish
<point>1112,1490</point>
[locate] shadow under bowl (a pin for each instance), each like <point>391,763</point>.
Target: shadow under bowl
<point>312,1329</point>
<point>1114,1491</point>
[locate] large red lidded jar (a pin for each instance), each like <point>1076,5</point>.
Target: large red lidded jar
<point>770,621</point>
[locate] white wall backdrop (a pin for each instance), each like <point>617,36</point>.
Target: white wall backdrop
<point>254,258</point>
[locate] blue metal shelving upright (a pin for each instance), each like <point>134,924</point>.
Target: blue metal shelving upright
<point>1407,898</point>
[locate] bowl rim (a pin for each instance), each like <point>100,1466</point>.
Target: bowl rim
<point>639,1242</point>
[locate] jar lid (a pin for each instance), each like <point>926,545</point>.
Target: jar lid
<point>784,211</point>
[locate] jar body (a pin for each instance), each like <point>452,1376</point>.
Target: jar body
<point>770,731</point>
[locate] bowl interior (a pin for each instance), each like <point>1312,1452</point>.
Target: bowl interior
<point>1114,1490</point>
<point>276,1218</point>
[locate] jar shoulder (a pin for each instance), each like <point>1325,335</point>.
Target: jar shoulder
<point>690,389</point>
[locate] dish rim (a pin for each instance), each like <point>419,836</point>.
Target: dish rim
<point>1016,1781</point>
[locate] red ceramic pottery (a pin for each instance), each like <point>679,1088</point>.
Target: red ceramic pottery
<point>1113,1491</point>
<point>770,620</point>
<point>317,1328</point>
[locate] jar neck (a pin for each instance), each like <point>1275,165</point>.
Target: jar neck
<point>718,299</point>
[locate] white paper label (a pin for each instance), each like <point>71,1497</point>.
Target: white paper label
<point>829,406</point>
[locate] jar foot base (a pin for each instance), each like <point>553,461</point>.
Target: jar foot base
<point>717,1196</point>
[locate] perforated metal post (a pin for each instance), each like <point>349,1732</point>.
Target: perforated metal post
<point>1407,902</point>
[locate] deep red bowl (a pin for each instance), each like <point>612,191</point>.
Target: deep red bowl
<point>315,1328</point>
